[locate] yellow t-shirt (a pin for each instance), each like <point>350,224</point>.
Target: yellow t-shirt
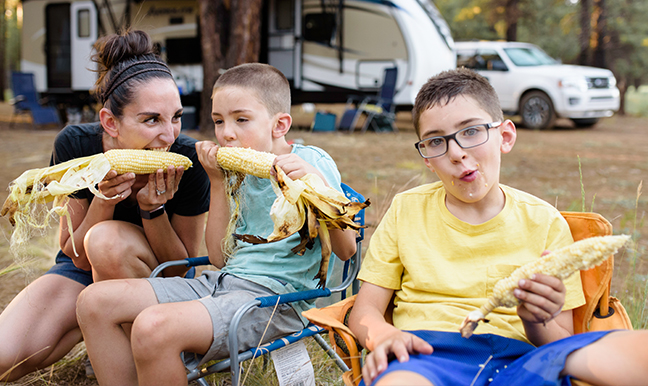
<point>441,268</point>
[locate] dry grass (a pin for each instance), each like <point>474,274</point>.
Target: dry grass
<point>613,160</point>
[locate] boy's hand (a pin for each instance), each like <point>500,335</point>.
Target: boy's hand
<point>295,167</point>
<point>542,298</point>
<point>400,344</point>
<point>206,151</point>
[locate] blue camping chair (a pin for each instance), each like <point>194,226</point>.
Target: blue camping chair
<point>26,101</point>
<point>350,272</point>
<point>380,109</point>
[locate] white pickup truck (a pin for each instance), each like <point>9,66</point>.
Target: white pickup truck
<point>540,89</point>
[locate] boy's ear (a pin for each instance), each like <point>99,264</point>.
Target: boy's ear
<point>509,135</point>
<point>108,122</point>
<point>282,125</point>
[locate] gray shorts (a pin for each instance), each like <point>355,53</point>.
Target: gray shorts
<point>222,294</point>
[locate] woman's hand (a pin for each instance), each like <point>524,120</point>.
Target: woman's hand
<point>399,344</point>
<point>116,185</point>
<point>161,187</point>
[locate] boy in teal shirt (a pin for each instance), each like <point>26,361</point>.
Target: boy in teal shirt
<point>440,249</point>
<point>251,105</point>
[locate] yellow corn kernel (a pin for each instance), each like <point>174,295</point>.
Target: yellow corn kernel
<point>144,161</point>
<point>247,161</point>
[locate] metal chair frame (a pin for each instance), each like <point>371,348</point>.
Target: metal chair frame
<point>350,272</point>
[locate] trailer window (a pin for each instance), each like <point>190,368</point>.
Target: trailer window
<point>83,23</point>
<point>284,11</point>
<point>319,27</point>
<point>183,51</point>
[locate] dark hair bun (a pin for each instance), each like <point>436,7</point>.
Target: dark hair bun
<point>114,49</point>
<point>125,60</point>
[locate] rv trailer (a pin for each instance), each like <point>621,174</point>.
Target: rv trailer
<point>327,49</point>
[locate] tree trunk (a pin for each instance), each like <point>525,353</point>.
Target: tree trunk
<point>3,50</point>
<point>585,32</point>
<point>210,40</point>
<point>511,15</point>
<point>244,42</point>
<point>600,59</point>
<point>622,85</point>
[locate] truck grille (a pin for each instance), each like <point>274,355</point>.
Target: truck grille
<point>598,83</point>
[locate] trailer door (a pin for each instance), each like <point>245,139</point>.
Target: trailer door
<point>284,39</point>
<point>57,46</point>
<point>83,24</point>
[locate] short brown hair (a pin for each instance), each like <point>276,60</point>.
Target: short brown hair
<point>446,86</point>
<point>270,84</point>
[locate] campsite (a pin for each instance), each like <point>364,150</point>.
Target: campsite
<point>331,51</point>
<point>596,169</point>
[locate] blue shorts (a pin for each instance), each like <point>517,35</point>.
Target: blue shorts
<point>492,360</point>
<point>66,268</point>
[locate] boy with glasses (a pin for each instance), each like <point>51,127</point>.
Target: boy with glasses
<point>441,247</point>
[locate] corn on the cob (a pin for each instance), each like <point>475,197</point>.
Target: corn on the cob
<point>40,186</point>
<point>247,161</point>
<point>144,161</point>
<point>306,205</point>
<point>561,263</point>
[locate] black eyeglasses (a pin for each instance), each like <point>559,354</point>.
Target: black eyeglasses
<point>466,138</point>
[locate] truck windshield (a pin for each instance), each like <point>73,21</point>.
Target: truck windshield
<point>438,21</point>
<point>529,56</point>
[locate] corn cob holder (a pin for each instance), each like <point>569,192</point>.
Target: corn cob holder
<point>41,186</point>
<point>561,263</point>
<point>305,205</point>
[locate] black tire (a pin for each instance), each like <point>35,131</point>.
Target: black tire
<point>537,111</point>
<point>585,122</point>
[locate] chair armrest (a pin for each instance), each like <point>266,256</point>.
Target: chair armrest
<point>332,316</point>
<point>188,262</point>
<point>16,99</point>
<point>271,301</point>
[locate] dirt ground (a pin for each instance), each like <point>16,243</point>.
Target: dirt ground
<point>612,158</point>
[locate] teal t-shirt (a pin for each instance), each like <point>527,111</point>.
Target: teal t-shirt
<point>274,265</point>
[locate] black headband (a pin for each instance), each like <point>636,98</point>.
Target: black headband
<point>116,83</point>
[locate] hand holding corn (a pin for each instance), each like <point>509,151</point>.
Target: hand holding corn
<point>561,263</point>
<point>305,205</point>
<point>40,186</point>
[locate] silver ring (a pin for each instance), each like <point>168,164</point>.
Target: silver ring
<point>160,192</point>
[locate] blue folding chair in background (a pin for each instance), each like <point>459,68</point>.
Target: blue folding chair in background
<point>26,101</point>
<point>350,272</point>
<point>380,110</point>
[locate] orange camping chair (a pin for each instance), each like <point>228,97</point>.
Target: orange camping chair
<point>600,312</point>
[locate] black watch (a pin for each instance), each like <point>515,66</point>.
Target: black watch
<point>150,215</point>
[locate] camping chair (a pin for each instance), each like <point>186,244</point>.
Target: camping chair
<point>600,312</point>
<point>380,110</point>
<point>26,101</point>
<point>350,271</point>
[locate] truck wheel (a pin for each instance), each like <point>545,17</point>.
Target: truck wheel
<point>537,111</point>
<point>585,122</point>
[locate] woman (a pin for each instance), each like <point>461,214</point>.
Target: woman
<point>154,218</point>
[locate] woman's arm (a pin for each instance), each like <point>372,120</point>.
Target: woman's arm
<point>84,216</point>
